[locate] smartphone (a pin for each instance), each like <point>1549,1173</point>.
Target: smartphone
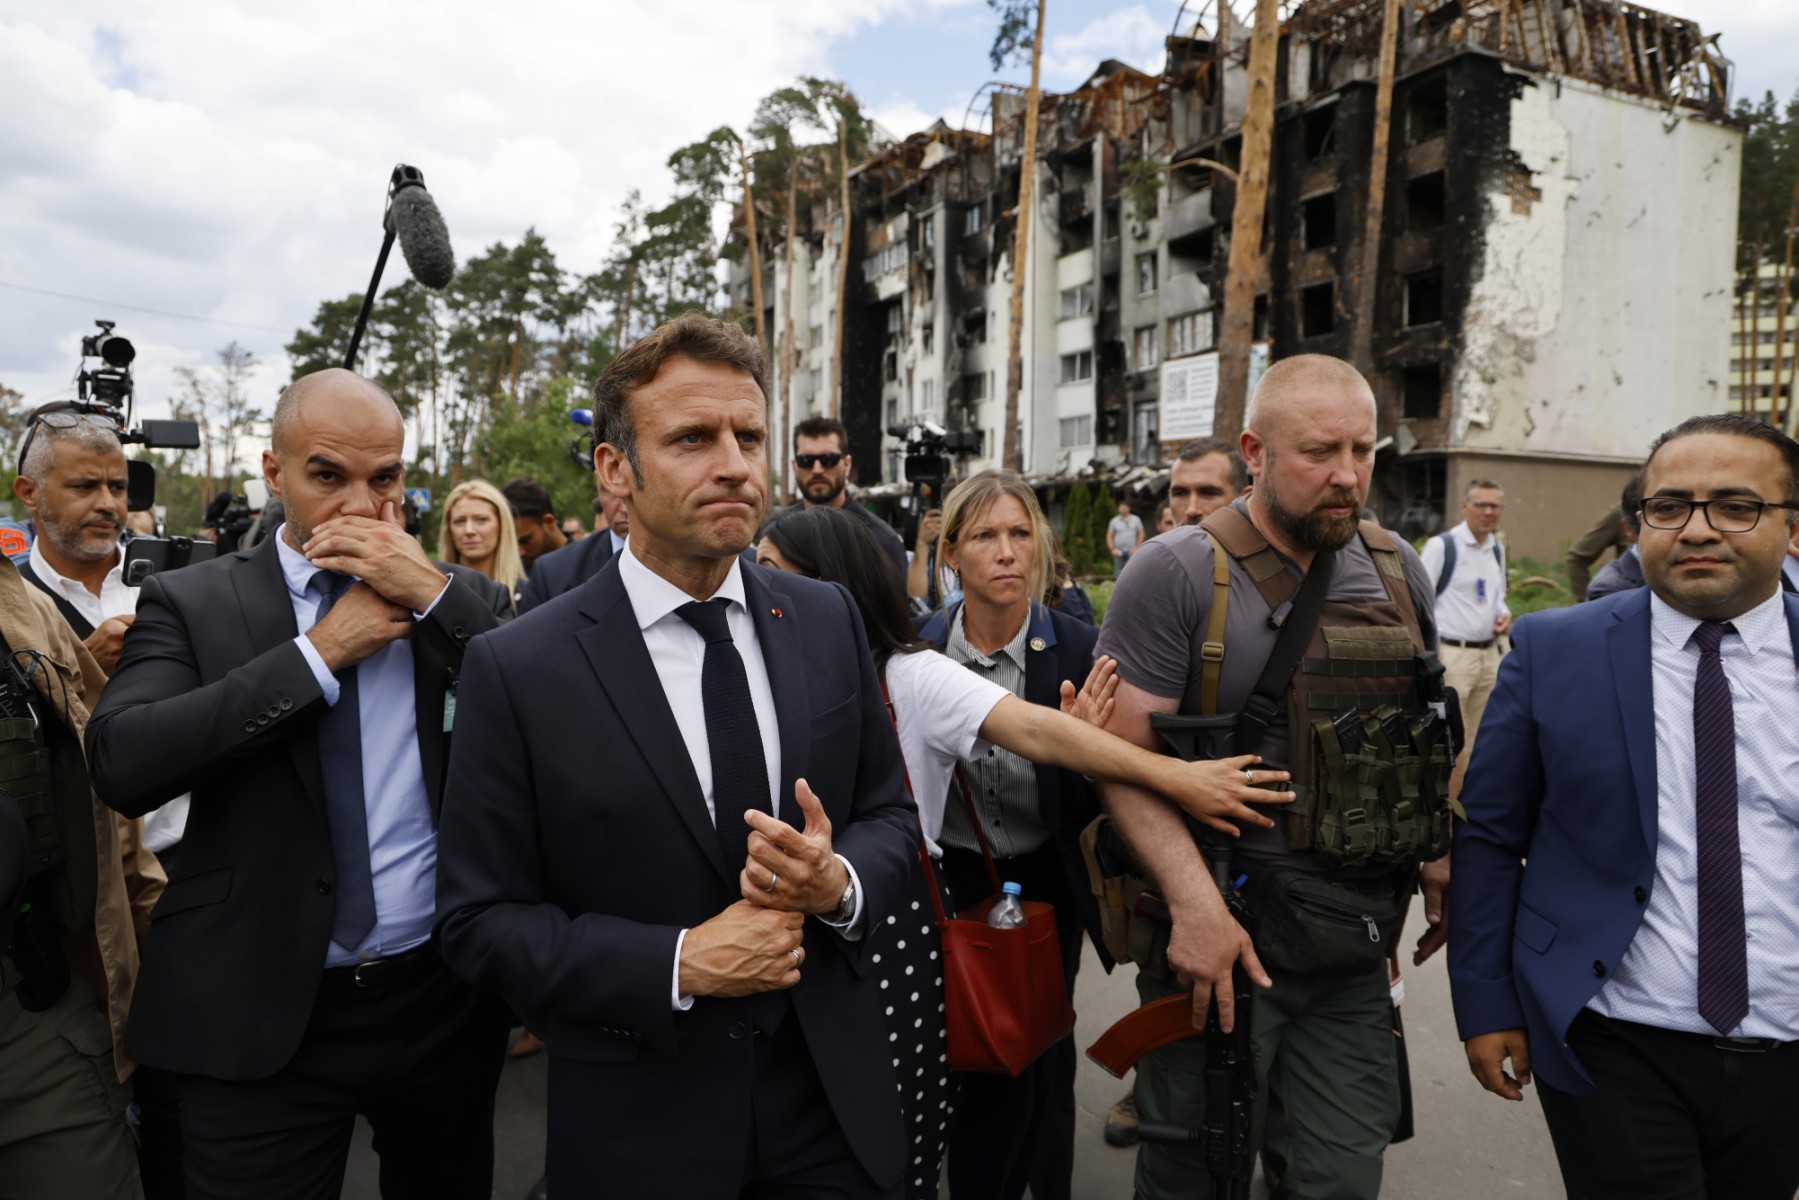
<point>146,556</point>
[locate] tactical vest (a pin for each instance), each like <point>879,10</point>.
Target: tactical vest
<point>1369,754</point>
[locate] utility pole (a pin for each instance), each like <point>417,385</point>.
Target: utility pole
<point>1245,267</point>
<point>1368,277</point>
<point>1027,177</point>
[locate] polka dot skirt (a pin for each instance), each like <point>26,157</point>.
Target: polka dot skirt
<point>907,956</point>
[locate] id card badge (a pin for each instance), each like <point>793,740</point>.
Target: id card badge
<point>1480,590</point>
<point>449,710</point>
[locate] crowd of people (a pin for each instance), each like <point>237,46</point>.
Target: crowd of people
<point>304,832</point>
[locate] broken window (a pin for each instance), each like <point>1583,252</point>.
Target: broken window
<point>927,338</point>
<point>927,230</point>
<point>1318,129</point>
<point>1077,368</point>
<point>1318,221</point>
<point>890,366</point>
<point>1424,298</point>
<point>1076,302</point>
<point>974,388</point>
<point>1421,389</point>
<point>1189,334</point>
<point>1425,202</point>
<point>1427,109</point>
<point>971,221</point>
<point>974,325</point>
<point>1317,309</point>
<point>1146,274</point>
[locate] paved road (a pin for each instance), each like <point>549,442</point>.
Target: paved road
<point>1470,1146</point>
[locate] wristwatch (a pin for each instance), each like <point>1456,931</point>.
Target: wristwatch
<point>846,908</point>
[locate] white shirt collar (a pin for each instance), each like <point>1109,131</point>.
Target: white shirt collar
<point>1758,628</point>
<point>1465,535</point>
<point>296,569</point>
<point>50,574</point>
<point>653,597</point>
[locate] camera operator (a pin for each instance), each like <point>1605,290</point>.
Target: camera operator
<point>72,481</point>
<point>71,961</point>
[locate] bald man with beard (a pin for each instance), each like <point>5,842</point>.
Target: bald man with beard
<point>1322,1030</point>
<point>304,692</point>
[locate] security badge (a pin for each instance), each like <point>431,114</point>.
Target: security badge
<point>1480,590</point>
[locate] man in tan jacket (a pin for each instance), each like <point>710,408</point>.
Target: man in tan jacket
<point>65,984</point>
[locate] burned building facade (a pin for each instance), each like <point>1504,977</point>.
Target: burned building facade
<point>1553,272</point>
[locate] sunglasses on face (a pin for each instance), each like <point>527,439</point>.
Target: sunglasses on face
<point>827,461</point>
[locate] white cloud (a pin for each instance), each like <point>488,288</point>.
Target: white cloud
<point>1130,35</point>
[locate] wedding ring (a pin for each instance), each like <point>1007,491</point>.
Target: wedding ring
<point>1250,776</point>
<point>798,958</point>
<point>773,879</point>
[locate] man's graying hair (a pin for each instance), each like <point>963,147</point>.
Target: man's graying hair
<point>87,434</point>
<point>690,335</point>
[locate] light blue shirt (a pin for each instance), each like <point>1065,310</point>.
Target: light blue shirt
<point>402,833</point>
<point>1657,982</point>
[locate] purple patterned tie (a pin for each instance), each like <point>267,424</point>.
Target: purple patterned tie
<point>1723,955</point>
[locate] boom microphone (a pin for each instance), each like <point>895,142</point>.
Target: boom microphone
<point>412,217</point>
<point>424,241</point>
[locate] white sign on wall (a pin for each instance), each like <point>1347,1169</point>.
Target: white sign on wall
<point>1189,397</point>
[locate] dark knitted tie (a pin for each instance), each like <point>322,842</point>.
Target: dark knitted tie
<point>340,760</point>
<point>739,770</point>
<point>1723,955</point>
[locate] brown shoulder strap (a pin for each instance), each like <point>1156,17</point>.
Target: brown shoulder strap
<point>1212,652</point>
<point>1245,543</point>
<point>1385,554</point>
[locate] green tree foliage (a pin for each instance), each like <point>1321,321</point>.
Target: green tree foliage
<point>1105,507</point>
<point>323,343</point>
<point>1017,30</point>
<point>1077,530</point>
<point>1770,171</point>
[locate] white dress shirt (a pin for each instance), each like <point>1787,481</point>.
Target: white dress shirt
<point>678,653</point>
<point>402,832</point>
<point>939,706</point>
<point>1657,982</point>
<point>1475,596</point>
<point>165,825</point>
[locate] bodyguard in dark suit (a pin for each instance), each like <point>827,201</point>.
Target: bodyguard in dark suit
<point>681,916</point>
<point>303,692</point>
<point>566,569</point>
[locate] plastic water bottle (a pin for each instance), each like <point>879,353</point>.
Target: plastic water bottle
<point>1006,912</point>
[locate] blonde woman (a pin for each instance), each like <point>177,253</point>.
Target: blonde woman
<point>478,533</point>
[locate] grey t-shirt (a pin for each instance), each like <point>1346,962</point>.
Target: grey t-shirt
<point>1126,532</point>
<point>1156,624</point>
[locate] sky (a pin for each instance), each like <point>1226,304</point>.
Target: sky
<point>225,164</point>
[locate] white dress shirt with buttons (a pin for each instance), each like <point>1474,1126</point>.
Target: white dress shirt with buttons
<point>1657,981</point>
<point>678,653</point>
<point>1475,597</point>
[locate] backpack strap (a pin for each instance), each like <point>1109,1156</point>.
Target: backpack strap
<point>1448,568</point>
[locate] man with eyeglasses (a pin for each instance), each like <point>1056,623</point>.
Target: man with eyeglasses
<point>1468,565</point>
<point>822,466</point>
<point>1625,915</point>
<point>72,481</point>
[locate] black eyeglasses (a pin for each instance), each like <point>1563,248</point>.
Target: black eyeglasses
<point>827,461</point>
<point>1725,516</point>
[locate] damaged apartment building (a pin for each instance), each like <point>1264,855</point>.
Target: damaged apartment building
<point>1556,240</point>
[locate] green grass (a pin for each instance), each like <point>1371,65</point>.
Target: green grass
<point>1100,593</point>
<point>1534,585</point>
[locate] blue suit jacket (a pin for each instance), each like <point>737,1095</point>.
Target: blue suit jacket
<point>1553,869</point>
<point>566,569</point>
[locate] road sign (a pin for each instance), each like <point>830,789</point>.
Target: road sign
<point>420,497</point>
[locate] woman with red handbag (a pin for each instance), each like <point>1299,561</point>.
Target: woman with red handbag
<point>944,714</point>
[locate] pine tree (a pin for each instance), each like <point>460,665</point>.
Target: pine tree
<point>1077,540</point>
<point>1104,509</point>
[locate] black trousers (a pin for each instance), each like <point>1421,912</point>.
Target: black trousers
<point>1675,1117</point>
<point>1010,1132</point>
<point>413,1049</point>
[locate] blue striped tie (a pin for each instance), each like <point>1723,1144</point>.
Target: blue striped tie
<point>340,761</point>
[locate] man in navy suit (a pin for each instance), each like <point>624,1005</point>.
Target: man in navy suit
<point>1626,920</point>
<point>681,916</point>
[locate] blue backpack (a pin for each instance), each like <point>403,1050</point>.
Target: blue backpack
<point>1448,570</point>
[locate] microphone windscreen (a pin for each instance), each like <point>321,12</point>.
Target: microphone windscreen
<point>422,236</point>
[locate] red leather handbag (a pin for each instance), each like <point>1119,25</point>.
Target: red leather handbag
<point>1004,999</point>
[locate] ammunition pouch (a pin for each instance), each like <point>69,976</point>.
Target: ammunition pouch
<point>1134,920</point>
<point>25,776</point>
